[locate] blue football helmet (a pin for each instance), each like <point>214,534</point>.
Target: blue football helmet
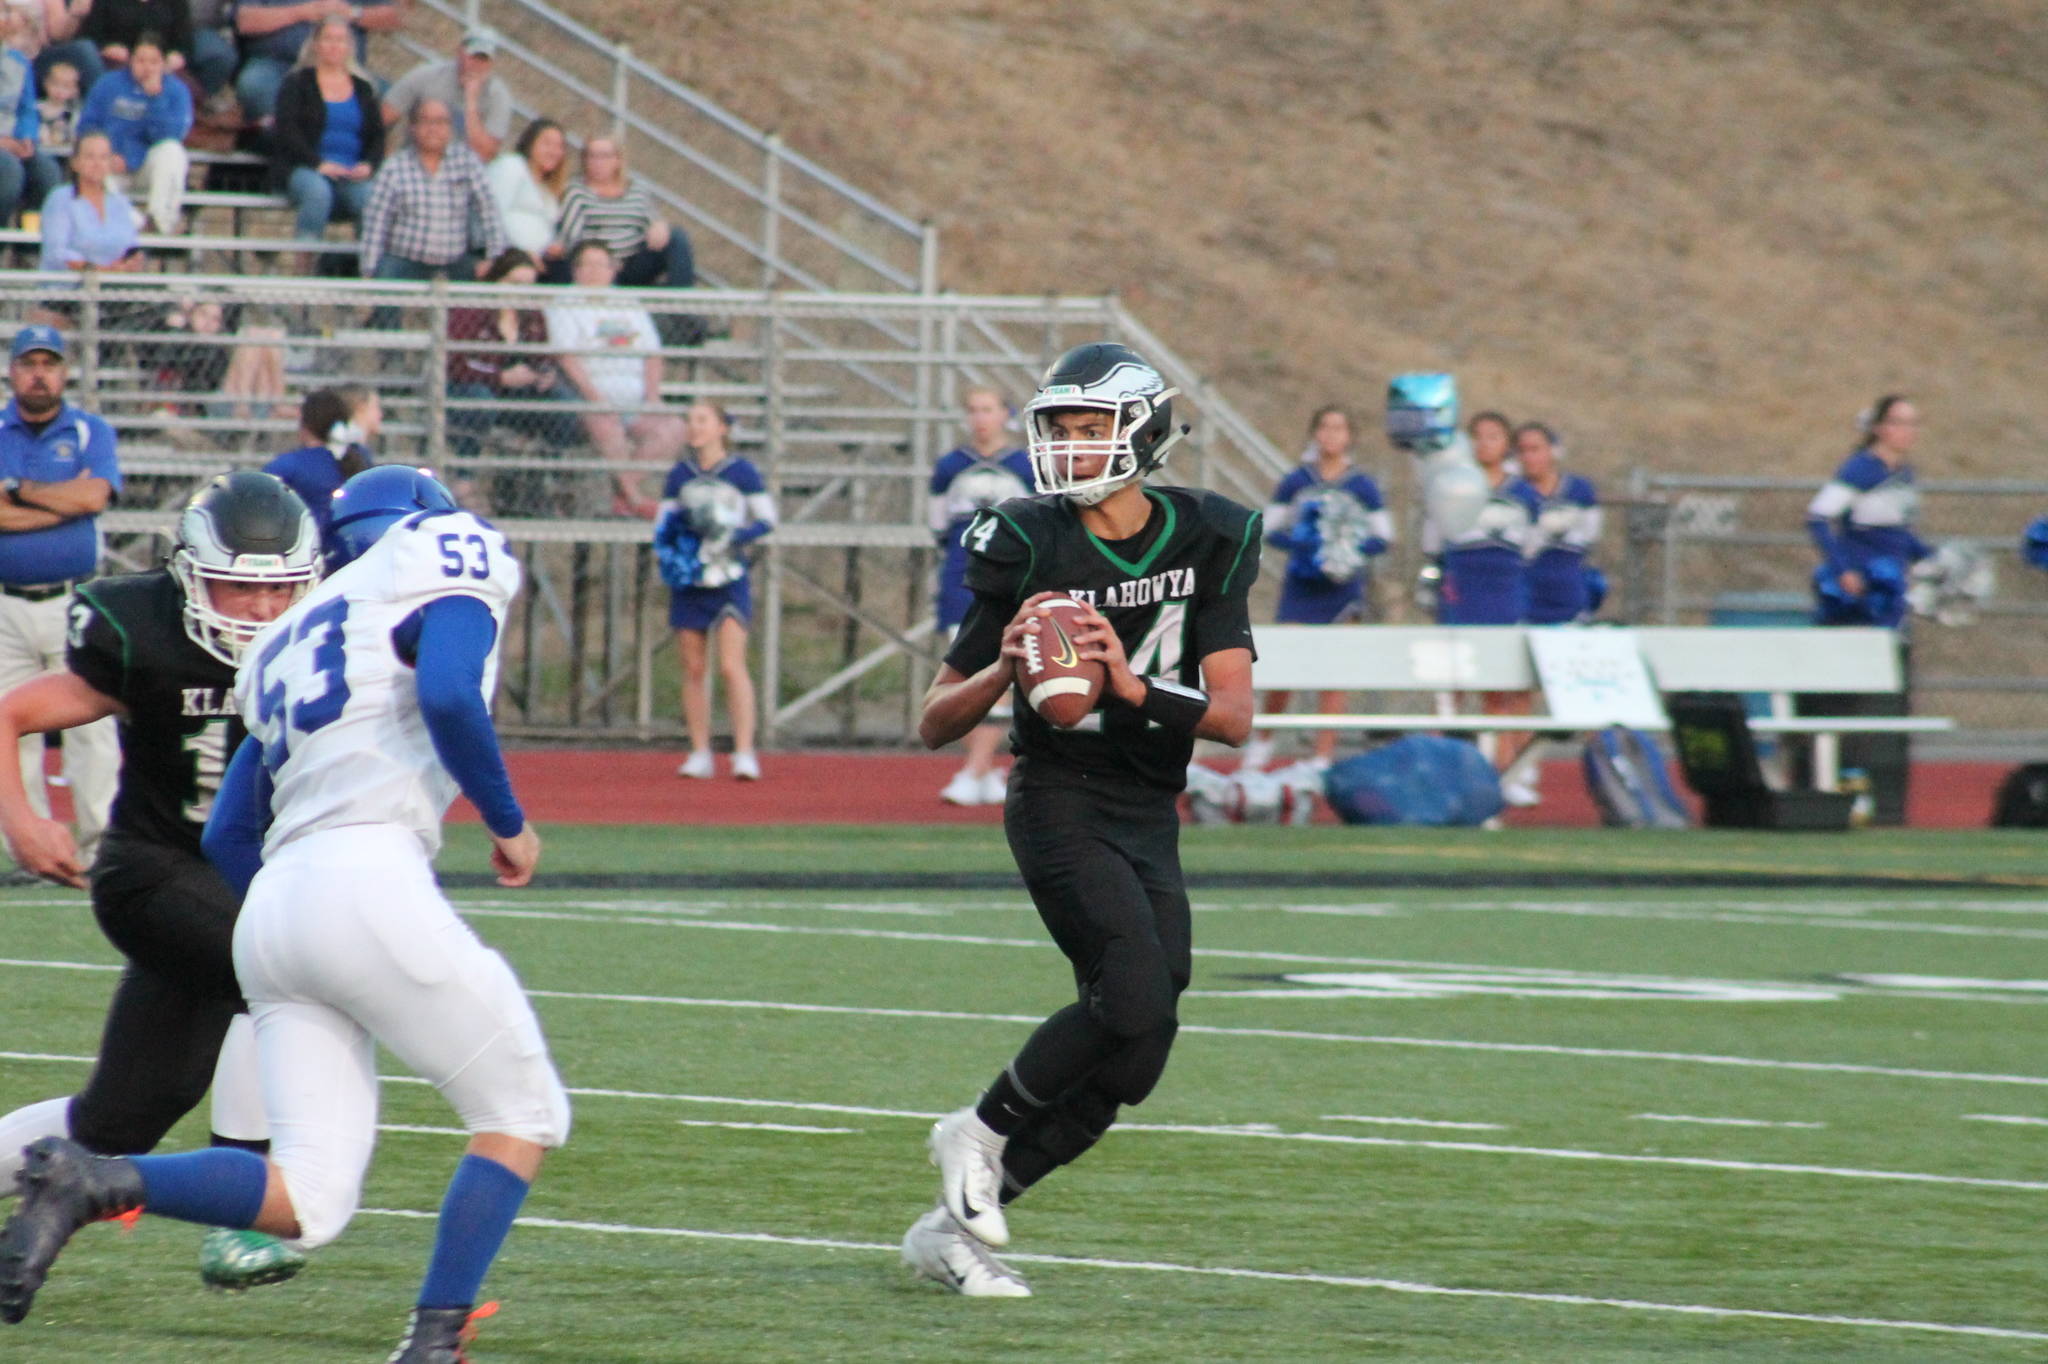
<point>2034,544</point>
<point>376,499</point>
<point>1422,411</point>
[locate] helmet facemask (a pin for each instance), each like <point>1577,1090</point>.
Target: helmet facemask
<point>222,635</point>
<point>1142,432</point>
<point>243,528</point>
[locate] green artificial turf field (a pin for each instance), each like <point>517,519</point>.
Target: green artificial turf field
<point>1573,1104</point>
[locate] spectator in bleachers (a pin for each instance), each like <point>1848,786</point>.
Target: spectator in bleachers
<point>274,32</point>
<point>331,451</point>
<point>328,139</point>
<point>145,116</point>
<point>114,26</point>
<point>527,182</point>
<point>61,21</point>
<point>240,381</point>
<point>215,54</point>
<point>477,371</point>
<point>612,356</point>
<point>606,206</point>
<point>422,205</point>
<point>57,110</point>
<point>88,224</point>
<point>722,503</point>
<point>1567,526</point>
<point>468,85</point>
<point>27,173</point>
<point>1328,517</point>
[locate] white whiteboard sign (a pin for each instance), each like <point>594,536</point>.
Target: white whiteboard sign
<point>1595,677</point>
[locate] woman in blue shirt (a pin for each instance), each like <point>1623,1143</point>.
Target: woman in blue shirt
<point>88,224</point>
<point>1568,521</point>
<point>329,136</point>
<point>713,505</point>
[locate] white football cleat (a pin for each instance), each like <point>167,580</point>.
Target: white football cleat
<point>938,1248</point>
<point>746,766</point>
<point>970,1161</point>
<point>1520,792</point>
<point>964,789</point>
<point>995,786</point>
<point>699,766</point>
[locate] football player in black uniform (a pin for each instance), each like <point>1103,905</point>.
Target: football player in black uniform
<point>1091,813</point>
<point>158,650</point>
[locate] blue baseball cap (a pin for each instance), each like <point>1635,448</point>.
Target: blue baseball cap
<point>38,337</point>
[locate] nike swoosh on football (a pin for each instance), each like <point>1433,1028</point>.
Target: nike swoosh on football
<point>1065,656</point>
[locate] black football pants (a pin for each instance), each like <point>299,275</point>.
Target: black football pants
<point>173,917</point>
<point>1102,863</point>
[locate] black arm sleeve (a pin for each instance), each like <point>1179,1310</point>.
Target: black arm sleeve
<point>95,650</point>
<point>1223,618</point>
<point>999,560</point>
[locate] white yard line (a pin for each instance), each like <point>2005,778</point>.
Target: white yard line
<point>1416,1122</point>
<point>1275,1276</point>
<point>2009,1119</point>
<point>767,1126</point>
<point>423,1131</point>
<point>1720,1122</point>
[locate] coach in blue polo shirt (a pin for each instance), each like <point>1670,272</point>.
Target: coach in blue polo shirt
<point>58,472</point>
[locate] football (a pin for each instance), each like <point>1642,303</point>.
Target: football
<point>1057,684</point>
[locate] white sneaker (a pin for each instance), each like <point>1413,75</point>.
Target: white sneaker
<point>970,1161</point>
<point>1257,753</point>
<point>995,785</point>
<point>698,766</point>
<point>938,1248</point>
<point>964,789</point>
<point>1520,792</point>
<point>746,766</point>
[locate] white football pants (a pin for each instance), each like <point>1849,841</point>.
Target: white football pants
<point>345,941</point>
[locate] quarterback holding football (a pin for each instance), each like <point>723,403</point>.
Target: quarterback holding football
<point>1117,610</point>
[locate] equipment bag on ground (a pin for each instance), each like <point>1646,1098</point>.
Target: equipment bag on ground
<point>1418,779</point>
<point>2022,798</point>
<point>1627,778</point>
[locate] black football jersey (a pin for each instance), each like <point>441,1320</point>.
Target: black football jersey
<point>1175,593</point>
<point>127,640</point>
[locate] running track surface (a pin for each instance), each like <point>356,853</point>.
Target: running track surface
<point>628,786</point>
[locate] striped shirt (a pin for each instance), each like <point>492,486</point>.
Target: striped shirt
<point>621,223</point>
<point>425,218</point>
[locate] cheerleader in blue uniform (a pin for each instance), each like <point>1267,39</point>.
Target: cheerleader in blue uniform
<point>713,505</point>
<point>1485,578</point>
<point>987,470</point>
<point>1567,526</point>
<point>1862,521</point>
<point>1330,521</point>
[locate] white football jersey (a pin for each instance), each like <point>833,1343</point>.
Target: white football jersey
<point>335,708</point>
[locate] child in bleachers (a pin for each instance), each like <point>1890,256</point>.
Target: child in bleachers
<point>58,109</point>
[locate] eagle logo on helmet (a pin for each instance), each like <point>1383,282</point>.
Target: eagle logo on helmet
<point>1105,377</point>
<point>244,527</point>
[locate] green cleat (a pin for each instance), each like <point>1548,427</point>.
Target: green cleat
<point>241,1260</point>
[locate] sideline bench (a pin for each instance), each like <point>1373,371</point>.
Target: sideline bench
<point>1447,659</point>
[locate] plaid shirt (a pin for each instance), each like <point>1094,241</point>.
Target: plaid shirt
<point>426,218</point>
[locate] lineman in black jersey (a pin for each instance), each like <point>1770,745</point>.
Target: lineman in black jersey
<point>158,650</point>
<point>1091,814</point>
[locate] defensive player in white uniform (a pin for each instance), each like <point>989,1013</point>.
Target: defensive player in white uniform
<point>367,708</point>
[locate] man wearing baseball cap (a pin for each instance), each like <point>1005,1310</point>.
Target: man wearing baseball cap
<point>469,85</point>
<point>58,472</point>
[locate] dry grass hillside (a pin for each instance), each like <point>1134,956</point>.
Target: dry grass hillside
<point>1696,233</point>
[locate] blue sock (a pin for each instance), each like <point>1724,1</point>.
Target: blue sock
<point>218,1187</point>
<point>476,1216</point>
